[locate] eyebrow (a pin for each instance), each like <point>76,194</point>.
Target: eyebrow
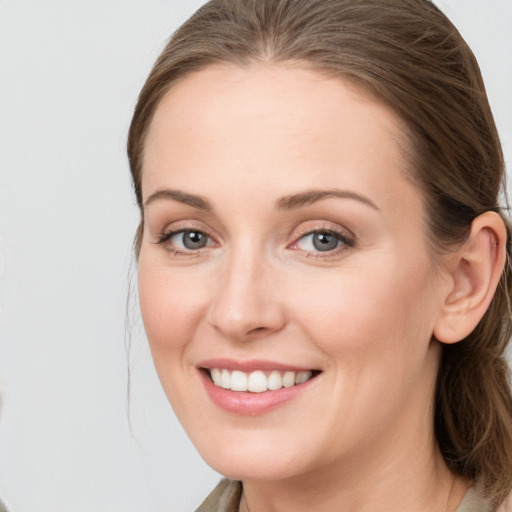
<point>308,197</point>
<point>289,202</point>
<point>182,197</point>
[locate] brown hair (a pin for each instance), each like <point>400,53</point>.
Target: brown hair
<point>407,54</point>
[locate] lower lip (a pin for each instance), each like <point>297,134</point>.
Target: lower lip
<point>247,403</point>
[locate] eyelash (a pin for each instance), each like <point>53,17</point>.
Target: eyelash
<point>346,242</point>
<point>164,237</point>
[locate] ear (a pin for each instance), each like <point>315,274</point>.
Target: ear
<point>474,272</point>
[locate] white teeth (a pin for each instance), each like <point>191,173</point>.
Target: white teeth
<point>275,381</point>
<point>225,379</point>
<point>288,379</point>
<point>303,377</point>
<point>238,381</point>
<point>215,375</point>
<point>258,381</point>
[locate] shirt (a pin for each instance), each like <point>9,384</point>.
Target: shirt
<point>226,498</point>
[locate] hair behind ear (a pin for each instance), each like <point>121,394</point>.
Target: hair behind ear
<point>473,419</point>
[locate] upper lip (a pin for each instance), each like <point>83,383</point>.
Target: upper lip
<point>250,365</point>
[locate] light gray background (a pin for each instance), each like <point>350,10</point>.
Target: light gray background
<point>69,75</point>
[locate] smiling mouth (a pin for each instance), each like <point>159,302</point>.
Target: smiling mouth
<point>258,381</point>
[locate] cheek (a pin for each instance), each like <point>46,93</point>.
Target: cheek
<point>171,306</point>
<point>375,327</point>
<point>372,312</point>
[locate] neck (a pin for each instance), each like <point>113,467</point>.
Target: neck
<point>403,474</point>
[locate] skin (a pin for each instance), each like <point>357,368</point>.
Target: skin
<point>360,436</point>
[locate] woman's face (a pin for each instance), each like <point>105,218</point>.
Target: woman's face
<point>285,250</point>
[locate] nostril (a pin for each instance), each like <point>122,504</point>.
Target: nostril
<point>240,314</point>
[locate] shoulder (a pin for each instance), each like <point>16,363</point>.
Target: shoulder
<point>224,498</point>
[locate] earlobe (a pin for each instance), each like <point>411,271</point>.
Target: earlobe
<point>475,271</point>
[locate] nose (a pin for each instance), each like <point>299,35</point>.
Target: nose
<point>246,303</point>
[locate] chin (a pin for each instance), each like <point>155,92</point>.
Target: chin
<point>253,460</point>
<point>255,470</point>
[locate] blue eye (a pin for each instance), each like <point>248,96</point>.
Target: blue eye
<point>322,241</point>
<point>190,240</point>
<point>186,239</point>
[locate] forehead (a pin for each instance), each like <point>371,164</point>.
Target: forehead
<point>267,120</point>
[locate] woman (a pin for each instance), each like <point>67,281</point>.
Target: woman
<point>324,269</point>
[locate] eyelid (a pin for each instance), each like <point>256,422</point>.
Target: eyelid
<point>320,226</point>
<point>185,224</point>
<point>346,237</point>
<point>167,235</point>
<point>163,237</point>
<point>165,240</point>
